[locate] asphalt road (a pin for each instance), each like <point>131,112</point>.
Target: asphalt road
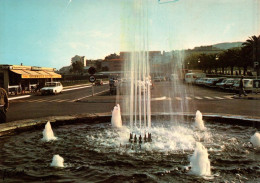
<point>38,106</point>
<point>166,97</point>
<point>177,97</point>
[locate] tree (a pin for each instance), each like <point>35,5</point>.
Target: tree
<point>232,56</point>
<point>77,67</point>
<point>252,47</point>
<point>112,56</point>
<point>222,61</point>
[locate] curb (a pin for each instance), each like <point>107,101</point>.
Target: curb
<point>247,98</point>
<point>33,124</point>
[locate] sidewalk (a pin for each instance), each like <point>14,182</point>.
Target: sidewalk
<point>248,97</point>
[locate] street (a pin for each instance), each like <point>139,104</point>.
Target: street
<point>38,106</point>
<point>166,97</point>
<point>190,98</point>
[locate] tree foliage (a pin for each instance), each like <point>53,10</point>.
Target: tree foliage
<point>112,56</point>
<point>77,67</point>
<point>243,57</point>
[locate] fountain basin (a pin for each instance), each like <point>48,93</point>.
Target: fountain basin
<point>94,151</point>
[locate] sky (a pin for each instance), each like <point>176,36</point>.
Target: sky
<point>48,33</point>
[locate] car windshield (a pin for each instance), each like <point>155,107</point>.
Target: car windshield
<point>50,84</point>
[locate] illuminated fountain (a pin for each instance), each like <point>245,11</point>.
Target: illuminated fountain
<point>57,161</point>
<point>116,119</point>
<point>141,149</point>
<point>255,139</point>
<point>200,164</point>
<point>48,134</point>
<point>199,123</point>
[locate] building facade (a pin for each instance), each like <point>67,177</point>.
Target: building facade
<point>17,78</point>
<point>78,58</point>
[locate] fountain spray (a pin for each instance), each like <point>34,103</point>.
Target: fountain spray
<point>199,123</point>
<point>116,120</point>
<point>57,161</point>
<point>255,139</point>
<point>48,134</point>
<point>200,164</point>
<point>137,103</point>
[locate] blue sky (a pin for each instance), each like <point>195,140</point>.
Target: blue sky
<point>49,32</point>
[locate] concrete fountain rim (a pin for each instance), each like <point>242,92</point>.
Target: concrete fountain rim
<point>26,124</point>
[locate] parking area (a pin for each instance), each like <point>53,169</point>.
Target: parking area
<point>227,84</point>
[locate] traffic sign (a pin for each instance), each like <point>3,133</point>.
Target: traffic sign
<point>256,83</point>
<point>92,79</point>
<point>92,70</point>
<point>256,64</point>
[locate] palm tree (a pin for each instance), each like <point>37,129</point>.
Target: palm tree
<point>252,47</point>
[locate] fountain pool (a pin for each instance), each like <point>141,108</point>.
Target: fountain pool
<point>98,152</point>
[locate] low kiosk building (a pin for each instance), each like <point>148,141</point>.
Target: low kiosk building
<point>18,78</point>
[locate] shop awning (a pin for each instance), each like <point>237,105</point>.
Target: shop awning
<point>28,74</point>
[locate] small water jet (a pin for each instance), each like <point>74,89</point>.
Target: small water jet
<point>199,123</point>
<point>116,119</point>
<point>48,134</point>
<point>57,161</point>
<point>200,164</point>
<point>255,139</point>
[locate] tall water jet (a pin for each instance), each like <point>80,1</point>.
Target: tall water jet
<point>57,161</point>
<point>199,123</point>
<point>48,133</point>
<point>136,66</point>
<point>116,119</point>
<point>200,164</point>
<point>255,139</point>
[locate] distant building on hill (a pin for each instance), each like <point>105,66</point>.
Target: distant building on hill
<point>78,58</point>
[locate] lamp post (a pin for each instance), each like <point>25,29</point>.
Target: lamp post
<point>199,63</point>
<point>216,69</point>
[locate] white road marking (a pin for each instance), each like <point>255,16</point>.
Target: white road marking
<point>219,98</point>
<point>198,98</point>
<point>210,98</point>
<point>178,98</point>
<point>19,97</point>
<point>87,86</point>
<point>88,96</point>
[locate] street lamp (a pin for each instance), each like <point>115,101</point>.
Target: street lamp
<point>216,64</point>
<point>199,63</point>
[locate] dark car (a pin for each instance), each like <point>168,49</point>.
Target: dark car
<point>98,82</point>
<point>215,81</point>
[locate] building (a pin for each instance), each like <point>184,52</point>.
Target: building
<point>78,58</point>
<point>112,65</point>
<point>17,78</point>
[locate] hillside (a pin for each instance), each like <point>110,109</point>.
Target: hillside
<point>225,46</point>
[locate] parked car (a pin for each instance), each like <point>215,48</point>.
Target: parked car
<point>209,81</point>
<point>52,88</point>
<point>191,77</point>
<point>248,85</point>
<point>98,82</point>
<point>221,84</point>
<point>200,81</point>
<point>229,84</point>
<point>219,80</point>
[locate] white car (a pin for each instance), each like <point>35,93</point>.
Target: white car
<point>52,88</point>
